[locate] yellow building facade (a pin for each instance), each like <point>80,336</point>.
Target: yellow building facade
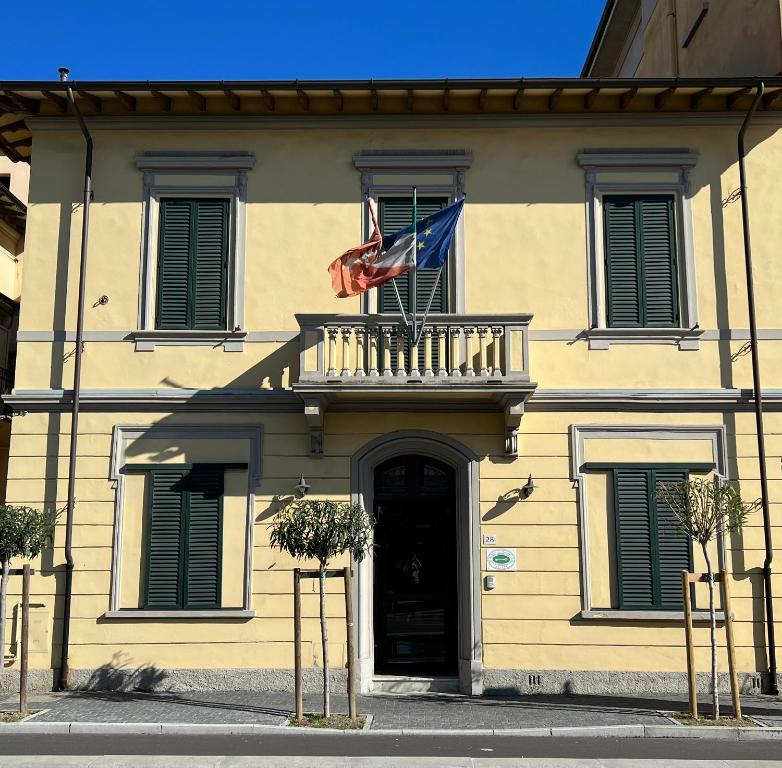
<point>500,459</point>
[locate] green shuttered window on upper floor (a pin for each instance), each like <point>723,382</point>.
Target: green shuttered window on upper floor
<point>192,272</point>
<point>642,285</point>
<point>651,551</point>
<point>397,213</point>
<point>184,537</point>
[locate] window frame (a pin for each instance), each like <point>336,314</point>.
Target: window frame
<point>191,176</point>
<point>124,437</point>
<point>434,172</point>
<point>639,172</point>
<point>583,434</point>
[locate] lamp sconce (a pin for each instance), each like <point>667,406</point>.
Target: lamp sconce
<point>302,487</point>
<point>526,490</point>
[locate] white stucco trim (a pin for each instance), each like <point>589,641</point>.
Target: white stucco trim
<point>579,434</point>
<point>465,464</point>
<point>638,172</point>
<point>199,174</point>
<point>123,434</point>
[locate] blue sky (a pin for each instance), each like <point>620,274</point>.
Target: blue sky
<point>305,39</point>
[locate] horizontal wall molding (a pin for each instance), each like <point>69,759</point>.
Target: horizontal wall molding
<point>256,400</point>
<point>286,401</point>
<point>340,122</point>
<point>612,614</point>
<point>157,337</point>
<point>282,336</point>
<point>221,614</point>
<point>650,399</point>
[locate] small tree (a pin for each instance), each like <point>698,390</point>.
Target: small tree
<point>321,530</point>
<point>704,509</point>
<point>24,532</point>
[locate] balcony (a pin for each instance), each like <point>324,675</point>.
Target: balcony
<point>371,362</point>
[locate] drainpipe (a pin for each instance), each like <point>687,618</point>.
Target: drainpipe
<point>758,400</point>
<point>63,682</point>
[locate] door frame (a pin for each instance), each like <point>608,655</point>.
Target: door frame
<point>465,465</point>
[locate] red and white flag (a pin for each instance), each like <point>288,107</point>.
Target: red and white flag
<point>369,265</point>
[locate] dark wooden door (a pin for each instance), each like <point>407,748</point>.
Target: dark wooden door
<point>415,568</point>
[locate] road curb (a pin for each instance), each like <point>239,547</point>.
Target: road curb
<point>633,731</point>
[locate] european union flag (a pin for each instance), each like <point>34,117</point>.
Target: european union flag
<point>434,236</point>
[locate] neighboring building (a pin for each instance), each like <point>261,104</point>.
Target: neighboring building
<point>14,180</point>
<point>687,38</point>
<point>590,334</point>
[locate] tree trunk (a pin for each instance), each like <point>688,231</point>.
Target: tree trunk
<point>715,695</point>
<point>324,634</point>
<point>3,605</point>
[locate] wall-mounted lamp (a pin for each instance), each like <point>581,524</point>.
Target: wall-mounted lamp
<point>302,487</point>
<point>526,490</point>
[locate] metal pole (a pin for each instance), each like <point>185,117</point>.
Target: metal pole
<point>85,227</point>
<point>758,400</point>
<point>25,639</point>
<point>297,641</point>
<point>351,649</point>
<point>415,267</point>
<point>429,303</point>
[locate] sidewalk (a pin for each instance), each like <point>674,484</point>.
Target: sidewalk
<point>390,712</point>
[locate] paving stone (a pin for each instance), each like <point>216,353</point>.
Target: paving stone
<point>390,711</point>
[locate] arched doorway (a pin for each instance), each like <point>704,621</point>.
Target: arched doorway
<point>463,466</point>
<point>415,568</point>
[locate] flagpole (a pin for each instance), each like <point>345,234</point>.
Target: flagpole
<point>415,266</point>
<point>399,301</point>
<point>429,305</point>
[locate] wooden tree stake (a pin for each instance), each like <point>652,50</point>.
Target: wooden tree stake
<point>25,639</point>
<point>691,674</point>
<point>726,607</point>
<point>351,649</point>
<point>297,641</point>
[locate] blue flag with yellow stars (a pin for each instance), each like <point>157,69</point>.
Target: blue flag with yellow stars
<point>434,236</point>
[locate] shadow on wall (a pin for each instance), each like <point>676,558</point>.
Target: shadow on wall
<point>118,675</point>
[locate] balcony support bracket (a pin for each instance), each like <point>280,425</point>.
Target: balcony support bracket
<point>313,413</point>
<point>514,410</point>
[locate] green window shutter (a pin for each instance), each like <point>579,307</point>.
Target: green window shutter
<point>173,273</point>
<point>651,551</point>
<point>633,539</point>
<point>661,295</point>
<point>640,261</point>
<point>397,213</point>
<point>192,264</point>
<point>165,539</point>
<point>674,549</point>
<point>184,537</point>
<point>204,536</point>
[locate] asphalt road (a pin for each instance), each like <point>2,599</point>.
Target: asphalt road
<point>390,746</point>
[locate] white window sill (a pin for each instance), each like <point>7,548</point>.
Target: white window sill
<point>612,614</point>
<point>230,341</point>
<point>602,338</point>
<point>219,613</point>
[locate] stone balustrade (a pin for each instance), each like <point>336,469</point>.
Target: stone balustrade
<point>362,349</point>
